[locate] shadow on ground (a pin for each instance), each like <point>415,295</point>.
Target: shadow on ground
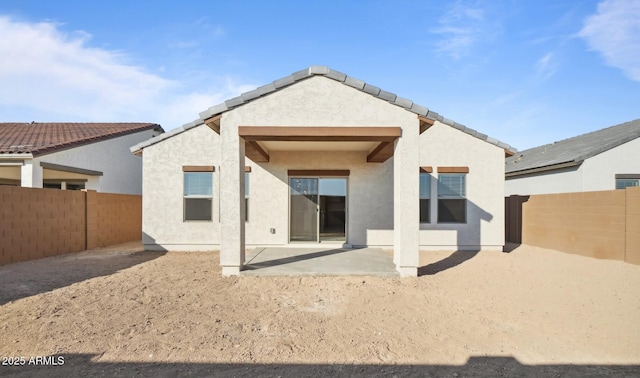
<point>453,260</point>
<point>510,247</point>
<point>291,259</point>
<point>33,277</point>
<point>82,365</point>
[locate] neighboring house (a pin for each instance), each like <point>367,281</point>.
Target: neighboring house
<point>319,158</point>
<point>606,159</point>
<point>73,156</point>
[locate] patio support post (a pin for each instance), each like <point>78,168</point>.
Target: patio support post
<point>406,199</point>
<point>31,174</point>
<point>231,201</point>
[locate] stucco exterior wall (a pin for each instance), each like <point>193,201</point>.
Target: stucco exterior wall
<point>600,171</point>
<point>594,174</point>
<point>122,171</point>
<point>319,101</point>
<point>444,146</point>
<point>373,188</point>
<point>566,180</point>
<point>369,196</point>
<point>162,201</point>
<point>323,102</point>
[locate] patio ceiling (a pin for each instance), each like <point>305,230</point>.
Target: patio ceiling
<point>378,141</point>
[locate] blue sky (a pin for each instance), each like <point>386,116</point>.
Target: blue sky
<point>524,72</point>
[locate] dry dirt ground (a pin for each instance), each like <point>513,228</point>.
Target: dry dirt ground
<point>122,312</point>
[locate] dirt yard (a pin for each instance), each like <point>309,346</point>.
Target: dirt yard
<point>122,312</point>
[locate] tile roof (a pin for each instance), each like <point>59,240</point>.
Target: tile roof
<point>331,74</point>
<point>43,138</point>
<point>572,151</point>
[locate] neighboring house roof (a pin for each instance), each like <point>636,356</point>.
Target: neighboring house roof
<point>572,151</point>
<point>43,138</point>
<point>331,74</point>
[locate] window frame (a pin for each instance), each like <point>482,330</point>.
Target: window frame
<point>627,177</point>
<point>445,197</point>
<point>185,197</point>
<point>427,197</point>
<point>246,195</point>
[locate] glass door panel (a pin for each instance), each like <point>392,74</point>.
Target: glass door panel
<point>304,209</point>
<point>333,206</point>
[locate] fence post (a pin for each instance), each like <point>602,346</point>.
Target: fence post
<point>91,234</point>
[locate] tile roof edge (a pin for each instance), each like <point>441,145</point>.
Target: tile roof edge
<point>340,77</point>
<point>165,135</point>
<point>57,147</point>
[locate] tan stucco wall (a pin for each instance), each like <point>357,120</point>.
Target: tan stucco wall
<point>369,197</point>
<point>371,215</point>
<point>162,202</point>
<point>442,146</point>
<point>10,173</point>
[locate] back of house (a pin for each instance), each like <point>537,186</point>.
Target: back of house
<point>319,158</point>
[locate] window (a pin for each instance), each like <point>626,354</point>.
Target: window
<point>626,180</point>
<point>452,204</point>
<point>52,185</point>
<point>425,197</point>
<point>246,197</point>
<point>74,186</point>
<point>198,195</point>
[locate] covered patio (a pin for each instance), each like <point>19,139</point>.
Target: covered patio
<point>301,261</point>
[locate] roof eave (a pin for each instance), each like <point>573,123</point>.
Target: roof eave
<point>16,155</point>
<point>545,168</point>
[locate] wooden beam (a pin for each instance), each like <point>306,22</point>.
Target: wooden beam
<point>320,134</point>
<point>453,169</point>
<point>425,123</point>
<point>381,153</point>
<point>319,172</point>
<point>253,151</point>
<point>214,123</point>
<point>508,153</point>
<point>426,169</point>
<point>198,168</point>
<point>247,169</point>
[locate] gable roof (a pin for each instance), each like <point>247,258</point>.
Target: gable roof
<point>324,71</point>
<point>43,138</point>
<point>572,151</point>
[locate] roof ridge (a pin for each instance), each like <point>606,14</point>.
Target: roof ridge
<point>338,76</point>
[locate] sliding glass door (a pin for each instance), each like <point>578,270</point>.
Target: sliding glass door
<point>317,209</point>
<point>303,207</point>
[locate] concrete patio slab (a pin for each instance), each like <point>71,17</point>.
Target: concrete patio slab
<point>276,261</point>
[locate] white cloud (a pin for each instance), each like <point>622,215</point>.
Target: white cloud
<point>46,72</point>
<point>460,27</point>
<point>546,66</point>
<point>614,32</point>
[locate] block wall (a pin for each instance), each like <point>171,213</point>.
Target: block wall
<point>604,224</point>
<point>37,223</point>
